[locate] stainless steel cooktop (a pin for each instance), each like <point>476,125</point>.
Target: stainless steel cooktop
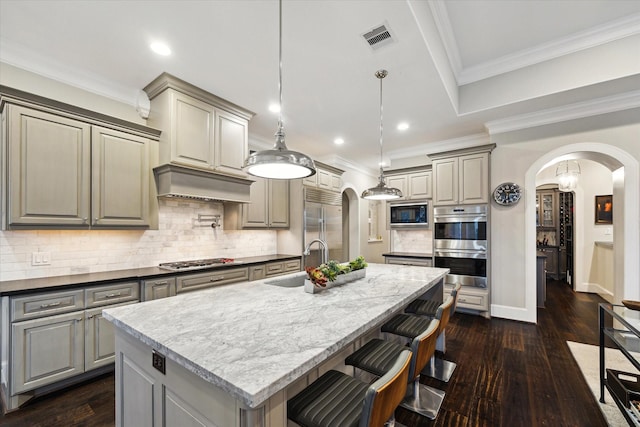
<point>196,264</point>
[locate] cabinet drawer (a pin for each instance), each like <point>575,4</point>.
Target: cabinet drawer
<point>112,294</point>
<point>209,279</point>
<point>257,272</point>
<point>158,288</point>
<point>473,301</point>
<point>46,304</point>
<point>274,268</point>
<point>408,261</point>
<point>292,265</point>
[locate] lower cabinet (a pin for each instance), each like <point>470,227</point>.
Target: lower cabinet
<point>421,262</point>
<point>190,282</point>
<point>472,298</point>
<point>158,288</point>
<point>50,337</point>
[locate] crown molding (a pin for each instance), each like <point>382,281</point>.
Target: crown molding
<point>438,146</point>
<point>22,57</point>
<point>574,111</point>
<point>342,163</point>
<point>443,25</point>
<point>575,42</point>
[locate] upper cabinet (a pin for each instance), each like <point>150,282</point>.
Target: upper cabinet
<point>71,168</point>
<point>461,177</point>
<point>414,184</point>
<point>268,208</point>
<point>199,129</point>
<point>326,177</point>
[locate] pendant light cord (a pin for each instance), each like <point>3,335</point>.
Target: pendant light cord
<point>381,74</point>
<point>280,132</point>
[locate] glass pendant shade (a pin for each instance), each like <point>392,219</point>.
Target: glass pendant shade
<point>567,173</point>
<point>381,191</point>
<point>279,162</point>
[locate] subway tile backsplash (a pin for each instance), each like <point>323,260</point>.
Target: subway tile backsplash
<point>417,241</point>
<point>180,237</point>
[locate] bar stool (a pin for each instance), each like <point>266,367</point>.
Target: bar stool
<point>407,325</point>
<point>377,355</point>
<point>336,399</point>
<point>429,308</point>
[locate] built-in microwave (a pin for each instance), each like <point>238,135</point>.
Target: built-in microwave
<point>414,214</point>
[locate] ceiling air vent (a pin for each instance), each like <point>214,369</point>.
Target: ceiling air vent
<point>378,37</point>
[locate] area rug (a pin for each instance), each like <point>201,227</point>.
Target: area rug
<point>587,357</point>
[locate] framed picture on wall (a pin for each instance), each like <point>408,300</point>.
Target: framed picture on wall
<point>604,209</point>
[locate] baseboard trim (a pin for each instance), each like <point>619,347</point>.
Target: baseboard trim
<point>512,313</point>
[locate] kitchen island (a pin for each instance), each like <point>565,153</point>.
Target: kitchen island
<point>233,355</point>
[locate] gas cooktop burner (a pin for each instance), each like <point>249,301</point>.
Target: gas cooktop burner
<point>196,264</point>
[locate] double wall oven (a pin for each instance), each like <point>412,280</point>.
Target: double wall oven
<point>460,243</point>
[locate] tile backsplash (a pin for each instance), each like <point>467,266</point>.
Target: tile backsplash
<point>180,237</point>
<point>419,241</point>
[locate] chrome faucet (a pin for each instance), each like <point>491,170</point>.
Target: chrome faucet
<point>325,249</point>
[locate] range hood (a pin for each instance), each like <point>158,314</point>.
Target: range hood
<point>180,181</point>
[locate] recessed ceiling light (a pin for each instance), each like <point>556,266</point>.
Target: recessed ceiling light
<point>338,141</point>
<point>403,126</point>
<point>160,48</point>
<point>274,108</point>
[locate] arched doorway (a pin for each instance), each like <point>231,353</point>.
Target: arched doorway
<point>350,223</point>
<point>626,233</point>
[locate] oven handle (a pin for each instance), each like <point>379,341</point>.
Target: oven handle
<point>459,218</point>
<point>445,253</point>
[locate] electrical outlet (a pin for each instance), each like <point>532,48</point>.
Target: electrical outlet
<point>158,362</point>
<point>41,258</point>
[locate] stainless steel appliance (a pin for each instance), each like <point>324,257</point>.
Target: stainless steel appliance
<point>196,264</point>
<point>322,220</point>
<point>408,215</point>
<point>460,243</point>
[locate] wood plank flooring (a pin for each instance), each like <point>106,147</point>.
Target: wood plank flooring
<point>509,374</point>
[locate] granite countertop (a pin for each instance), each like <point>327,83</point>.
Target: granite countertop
<point>408,254</point>
<point>11,287</point>
<point>253,340</point>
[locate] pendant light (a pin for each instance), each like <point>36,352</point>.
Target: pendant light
<point>567,173</point>
<point>381,191</point>
<point>279,162</point>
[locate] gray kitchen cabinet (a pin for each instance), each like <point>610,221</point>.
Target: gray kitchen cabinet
<point>46,350</point>
<point>158,288</point>
<point>326,177</point>
<point>461,180</point>
<point>257,272</point>
<point>277,268</point>
<point>552,261</point>
<point>190,282</point>
<point>269,206</point>
<point>72,171</point>
<point>120,179</point>
<point>414,184</point>
<point>99,338</point>
<point>199,129</point>
<point>48,337</point>
<point>421,262</point>
<point>472,298</point>
<point>48,166</point>
<point>546,208</point>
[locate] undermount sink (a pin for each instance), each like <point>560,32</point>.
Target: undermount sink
<point>291,281</point>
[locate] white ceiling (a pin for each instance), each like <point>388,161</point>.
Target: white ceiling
<point>456,68</point>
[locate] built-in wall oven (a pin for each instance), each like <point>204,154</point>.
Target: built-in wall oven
<point>460,243</point>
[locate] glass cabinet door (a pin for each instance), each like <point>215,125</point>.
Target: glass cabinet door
<point>547,210</point>
<point>537,210</point>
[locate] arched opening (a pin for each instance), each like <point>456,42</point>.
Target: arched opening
<point>350,223</point>
<point>625,172</point>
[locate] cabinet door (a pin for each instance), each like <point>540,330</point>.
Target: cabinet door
<point>231,143</point>
<point>278,203</point>
<point>420,185</point>
<point>49,165</point>
<point>324,179</point>
<point>336,182</point>
<point>399,182</point>
<point>445,181</point>
<point>46,350</point>
<point>474,178</point>
<point>160,288</point>
<point>120,179</point>
<point>192,132</point>
<point>255,214</point>
<point>547,209</point>
<point>99,338</point>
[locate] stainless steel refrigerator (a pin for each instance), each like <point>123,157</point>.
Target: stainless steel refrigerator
<point>322,220</point>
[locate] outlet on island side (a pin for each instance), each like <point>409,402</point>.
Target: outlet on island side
<point>158,362</point>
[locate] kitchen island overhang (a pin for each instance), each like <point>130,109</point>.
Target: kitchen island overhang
<point>252,340</point>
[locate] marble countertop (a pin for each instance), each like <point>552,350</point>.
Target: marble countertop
<point>253,340</point>
<point>12,287</point>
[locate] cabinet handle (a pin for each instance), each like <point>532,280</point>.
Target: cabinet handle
<point>84,220</point>
<point>112,295</point>
<point>53,304</point>
<point>90,317</point>
<point>216,278</point>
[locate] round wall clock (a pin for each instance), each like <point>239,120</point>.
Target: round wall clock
<point>507,194</point>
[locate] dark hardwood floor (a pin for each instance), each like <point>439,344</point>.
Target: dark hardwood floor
<point>509,374</point>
